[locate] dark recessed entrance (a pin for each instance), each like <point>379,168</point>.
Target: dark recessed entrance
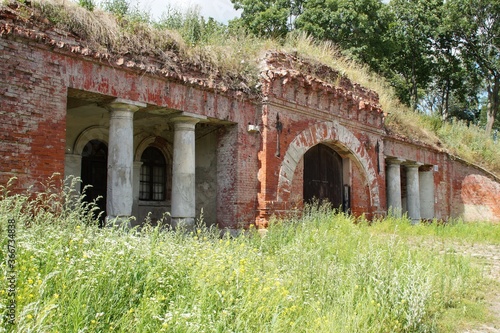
<point>323,175</point>
<point>94,173</point>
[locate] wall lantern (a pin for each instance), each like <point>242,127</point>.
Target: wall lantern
<point>279,129</point>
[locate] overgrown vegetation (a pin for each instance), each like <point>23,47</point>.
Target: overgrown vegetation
<point>317,273</point>
<point>186,43</point>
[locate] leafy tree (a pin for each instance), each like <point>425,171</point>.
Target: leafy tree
<point>478,38</point>
<point>411,31</point>
<point>455,79</point>
<point>267,18</point>
<point>357,26</point>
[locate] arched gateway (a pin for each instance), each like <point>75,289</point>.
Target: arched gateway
<point>323,176</point>
<point>321,137</point>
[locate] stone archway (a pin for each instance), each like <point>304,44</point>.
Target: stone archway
<point>337,135</point>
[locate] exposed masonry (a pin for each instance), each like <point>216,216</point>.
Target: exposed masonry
<point>247,151</point>
<point>326,132</point>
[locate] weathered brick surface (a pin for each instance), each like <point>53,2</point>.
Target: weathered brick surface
<point>34,80</point>
<point>461,190</point>
<point>33,108</point>
<point>257,174</point>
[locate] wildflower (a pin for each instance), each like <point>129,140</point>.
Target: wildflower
<point>29,316</point>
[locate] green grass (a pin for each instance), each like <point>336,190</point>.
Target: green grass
<point>321,272</point>
<point>455,229</point>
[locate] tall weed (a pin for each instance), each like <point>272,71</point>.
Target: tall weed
<point>320,272</point>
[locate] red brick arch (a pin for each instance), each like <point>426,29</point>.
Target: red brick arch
<point>331,133</point>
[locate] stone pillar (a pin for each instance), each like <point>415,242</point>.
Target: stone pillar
<point>426,184</point>
<point>183,173</point>
<point>73,169</point>
<point>413,192</point>
<point>394,205</point>
<point>136,181</point>
<point>120,160</point>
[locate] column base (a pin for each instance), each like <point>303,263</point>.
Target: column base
<point>183,223</point>
<point>415,221</point>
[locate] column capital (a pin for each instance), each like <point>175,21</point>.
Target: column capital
<point>185,120</point>
<point>120,104</point>
<point>412,164</point>
<point>394,160</point>
<point>184,123</point>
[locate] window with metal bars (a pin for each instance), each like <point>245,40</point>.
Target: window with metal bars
<point>153,175</point>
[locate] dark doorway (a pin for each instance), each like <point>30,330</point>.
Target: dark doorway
<point>323,175</point>
<point>95,173</point>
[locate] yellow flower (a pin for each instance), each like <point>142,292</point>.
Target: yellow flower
<point>29,316</point>
<point>56,296</point>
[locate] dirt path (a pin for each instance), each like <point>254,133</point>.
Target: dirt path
<point>488,258</point>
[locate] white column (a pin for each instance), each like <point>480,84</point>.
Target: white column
<point>394,205</point>
<point>413,192</point>
<point>426,184</point>
<point>120,160</point>
<point>183,173</point>
<point>73,167</point>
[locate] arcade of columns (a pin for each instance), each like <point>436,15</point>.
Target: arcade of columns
<point>419,189</point>
<point>120,192</point>
<point>120,196</point>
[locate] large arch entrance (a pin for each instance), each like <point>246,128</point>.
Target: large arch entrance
<point>355,159</point>
<point>94,173</point>
<point>323,175</point>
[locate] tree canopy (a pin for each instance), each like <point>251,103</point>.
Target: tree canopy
<point>440,56</point>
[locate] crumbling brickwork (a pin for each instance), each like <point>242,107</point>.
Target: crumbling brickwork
<point>54,92</point>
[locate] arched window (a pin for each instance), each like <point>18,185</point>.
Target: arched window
<point>153,175</point>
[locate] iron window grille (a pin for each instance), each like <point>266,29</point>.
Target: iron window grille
<point>153,175</point>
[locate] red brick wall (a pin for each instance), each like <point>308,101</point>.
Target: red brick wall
<point>461,190</point>
<point>35,77</point>
<point>33,108</point>
<point>303,106</point>
<point>360,196</point>
<point>34,80</point>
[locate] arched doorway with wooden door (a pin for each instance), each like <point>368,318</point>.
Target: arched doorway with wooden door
<point>94,175</point>
<point>323,176</point>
